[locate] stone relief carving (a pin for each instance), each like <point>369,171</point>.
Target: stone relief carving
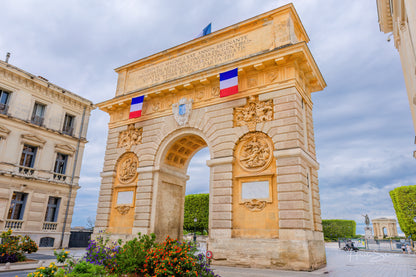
<point>182,110</point>
<point>127,168</point>
<point>254,152</point>
<point>123,209</point>
<point>255,205</point>
<point>253,112</point>
<point>132,136</point>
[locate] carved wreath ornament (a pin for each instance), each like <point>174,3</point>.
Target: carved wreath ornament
<point>127,168</point>
<point>254,152</point>
<point>255,205</point>
<point>123,209</point>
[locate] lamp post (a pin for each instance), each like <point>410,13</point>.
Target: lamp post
<point>195,221</point>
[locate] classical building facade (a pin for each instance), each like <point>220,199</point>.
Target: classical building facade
<point>264,196</point>
<point>398,17</point>
<point>385,228</point>
<point>42,138</point>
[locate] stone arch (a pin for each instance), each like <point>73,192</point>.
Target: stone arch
<point>173,137</point>
<point>387,224</point>
<point>171,164</point>
<point>275,81</point>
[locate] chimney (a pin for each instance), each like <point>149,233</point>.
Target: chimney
<point>7,57</point>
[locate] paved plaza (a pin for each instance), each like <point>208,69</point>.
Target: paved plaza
<point>339,263</point>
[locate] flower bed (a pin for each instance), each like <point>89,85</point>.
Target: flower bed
<point>141,256</point>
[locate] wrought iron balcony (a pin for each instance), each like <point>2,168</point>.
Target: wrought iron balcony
<point>3,108</point>
<point>50,226</point>
<point>38,120</point>
<point>13,224</point>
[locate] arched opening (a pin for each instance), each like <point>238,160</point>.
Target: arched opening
<point>197,195</point>
<point>172,181</point>
<point>384,232</point>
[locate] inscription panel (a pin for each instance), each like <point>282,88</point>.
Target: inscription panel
<point>225,51</point>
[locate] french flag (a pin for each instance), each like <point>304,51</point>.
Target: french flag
<point>229,82</point>
<point>136,107</point>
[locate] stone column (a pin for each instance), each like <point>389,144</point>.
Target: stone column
<point>220,202</point>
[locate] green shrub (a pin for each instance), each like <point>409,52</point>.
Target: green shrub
<point>338,228</point>
<point>404,202</point>
<point>196,206</point>
<point>13,248</point>
<point>132,255</point>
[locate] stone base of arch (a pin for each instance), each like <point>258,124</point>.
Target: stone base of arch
<point>293,253</point>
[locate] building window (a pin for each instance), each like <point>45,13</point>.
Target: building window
<point>60,163</point>
<point>4,101</point>
<point>28,156</point>
<point>60,167</point>
<point>53,209</point>
<point>17,206</point>
<point>68,124</point>
<point>38,114</point>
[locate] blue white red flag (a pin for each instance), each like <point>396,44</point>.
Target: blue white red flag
<point>136,107</point>
<point>229,82</point>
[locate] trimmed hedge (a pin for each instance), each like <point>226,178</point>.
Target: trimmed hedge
<point>404,202</point>
<point>338,228</point>
<point>196,206</point>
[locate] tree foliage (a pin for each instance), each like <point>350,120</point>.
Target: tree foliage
<point>404,202</point>
<point>196,206</point>
<point>338,228</point>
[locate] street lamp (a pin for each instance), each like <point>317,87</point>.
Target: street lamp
<point>195,220</point>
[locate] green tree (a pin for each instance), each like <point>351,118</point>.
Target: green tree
<point>404,202</point>
<point>196,206</point>
<point>338,228</point>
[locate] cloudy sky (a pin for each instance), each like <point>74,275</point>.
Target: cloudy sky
<point>363,129</point>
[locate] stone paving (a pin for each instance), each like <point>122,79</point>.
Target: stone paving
<point>339,263</point>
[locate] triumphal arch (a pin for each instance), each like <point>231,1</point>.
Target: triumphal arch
<point>264,197</point>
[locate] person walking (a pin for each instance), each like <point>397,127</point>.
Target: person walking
<point>409,250</point>
<point>404,248</point>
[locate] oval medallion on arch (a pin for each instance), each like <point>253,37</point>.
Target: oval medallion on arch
<point>127,168</point>
<point>254,151</point>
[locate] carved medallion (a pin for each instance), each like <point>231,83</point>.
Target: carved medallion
<point>253,112</point>
<point>255,205</point>
<point>132,136</point>
<point>182,110</point>
<point>127,167</point>
<point>254,152</point>
<point>123,210</point>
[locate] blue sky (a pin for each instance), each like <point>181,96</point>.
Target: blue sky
<point>363,130</point>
